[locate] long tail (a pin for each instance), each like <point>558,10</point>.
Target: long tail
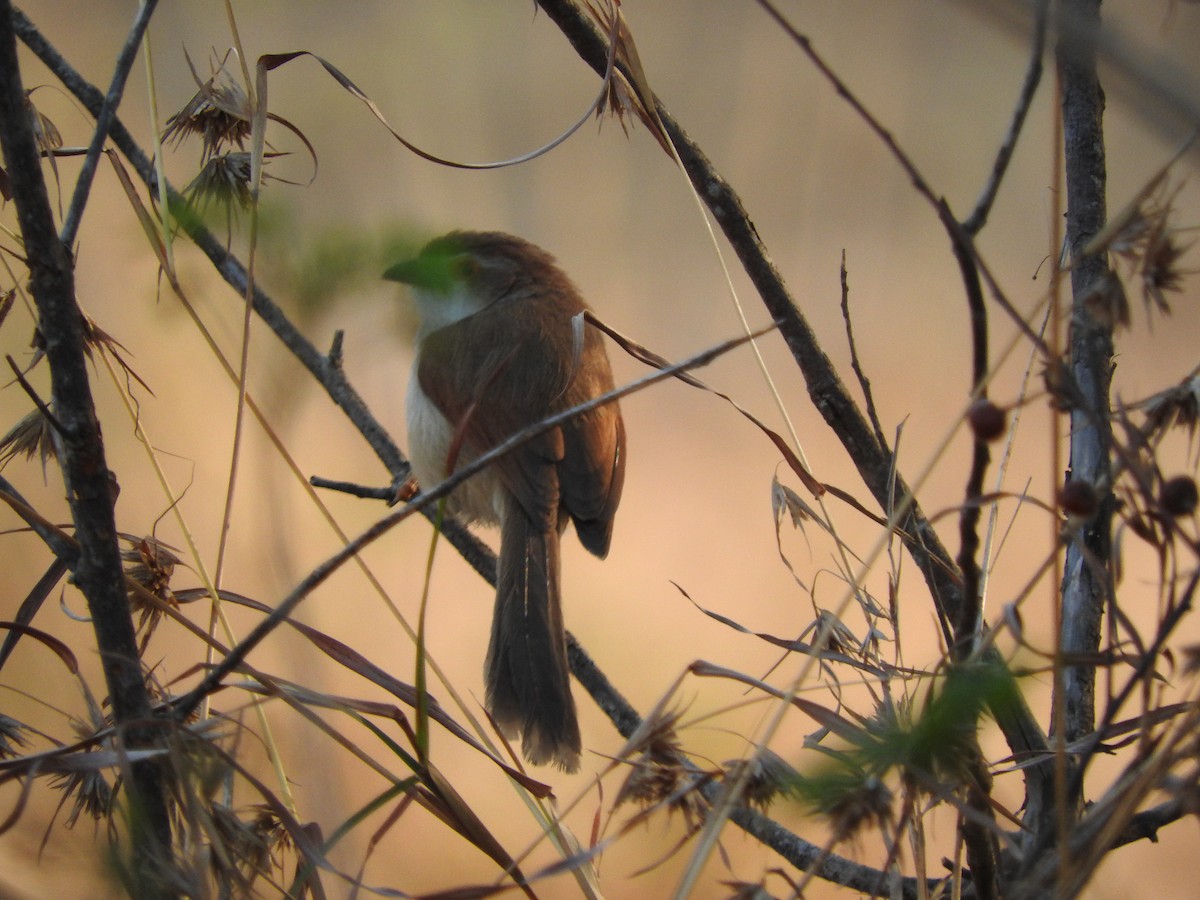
<point>528,680</point>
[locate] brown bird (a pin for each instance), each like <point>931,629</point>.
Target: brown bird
<point>502,344</point>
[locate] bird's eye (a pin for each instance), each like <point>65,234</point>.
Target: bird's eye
<point>465,268</point>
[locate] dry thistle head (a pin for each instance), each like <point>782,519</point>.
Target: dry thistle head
<point>628,96</point>
<point>840,638</point>
<point>1141,237</point>
<point>849,797</point>
<point>87,787</point>
<point>32,435</point>
<point>1105,301</point>
<point>11,736</point>
<point>225,180</point>
<point>658,773</point>
<point>769,777</point>
<point>1178,405</point>
<point>89,792</point>
<point>218,113</point>
<point>246,845</point>
<point>1159,269</point>
<point>934,738</point>
<point>150,563</point>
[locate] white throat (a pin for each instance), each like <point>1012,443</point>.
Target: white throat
<point>439,309</point>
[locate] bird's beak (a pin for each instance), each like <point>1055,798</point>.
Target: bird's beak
<point>426,271</point>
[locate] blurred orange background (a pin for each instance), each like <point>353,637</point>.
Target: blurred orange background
<point>483,80</point>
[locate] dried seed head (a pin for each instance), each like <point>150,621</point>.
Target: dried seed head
<point>1178,496</point>
<point>769,777</point>
<point>659,774</point>
<point>848,798</point>
<point>151,564</point>
<point>219,113</point>
<point>225,180</point>
<point>32,435</point>
<point>1060,385</point>
<point>1160,269</point>
<point>1105,301</point>
<point>987,420</point>
<point>45,133</point>
<point>11,736</point>
<point>89,791</point>
<point>1177,405</point>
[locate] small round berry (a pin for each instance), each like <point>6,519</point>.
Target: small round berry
<point>987,420</point>
<point>1178,496</point>
<point>1078,498</point>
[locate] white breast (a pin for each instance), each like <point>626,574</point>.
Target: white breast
<point>480,498</point>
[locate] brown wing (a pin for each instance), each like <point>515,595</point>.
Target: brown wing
<point>519,377</point>
<point>592,471</point>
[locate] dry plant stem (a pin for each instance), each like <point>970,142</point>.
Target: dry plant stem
<point>1033,77</point>
<point>978,832</point>
<point>1086,588</point>
<point>112,100</point>
<point>864,382</point>
<point>833,868</point>
<point>97,570</point>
